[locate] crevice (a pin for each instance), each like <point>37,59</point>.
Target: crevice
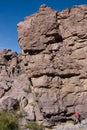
<point>30,81</point>
<point>46,87</point>
<point>33,52</point>
<point>63,76</point>
<point>69,106</point>
<point>57,38</point>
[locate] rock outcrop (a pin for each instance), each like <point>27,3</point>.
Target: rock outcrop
<point>49,77</point>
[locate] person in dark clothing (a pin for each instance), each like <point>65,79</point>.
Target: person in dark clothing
<point>77,117</point>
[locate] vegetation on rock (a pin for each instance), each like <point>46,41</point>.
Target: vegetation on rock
<point>8,121</point>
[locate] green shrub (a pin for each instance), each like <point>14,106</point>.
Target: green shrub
<point>8,121</point>
<point>34,126</point>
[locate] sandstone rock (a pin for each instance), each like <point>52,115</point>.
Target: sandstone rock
<point>51,71</point>
<point>23,102</point>
<point>1,92</point>
<point>38,114</point>
<point>38,30</point>
<point>10,104</point>
<point>30,112</point>
<point>55,42</point>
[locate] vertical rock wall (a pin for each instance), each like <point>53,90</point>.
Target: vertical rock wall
<point>49,78</point>
<point>55,45</point>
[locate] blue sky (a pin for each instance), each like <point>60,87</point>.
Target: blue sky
<point>13,11</point>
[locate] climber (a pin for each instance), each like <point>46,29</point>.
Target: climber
<point>77,117</point>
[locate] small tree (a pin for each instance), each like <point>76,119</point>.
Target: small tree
<point>8,121</point>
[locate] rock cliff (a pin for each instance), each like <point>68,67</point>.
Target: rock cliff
<point>48,80</point>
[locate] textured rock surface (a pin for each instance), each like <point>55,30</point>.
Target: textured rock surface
<point>49,78</point>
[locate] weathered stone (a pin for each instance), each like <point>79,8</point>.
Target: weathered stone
<point>23,102</point>
<point>56,63</point>
<point>1,92</point>
<point>49,78</point>
<point>38,30</point>
<point>10,104</point>
<point>38,114</point>
<point>30,112</point>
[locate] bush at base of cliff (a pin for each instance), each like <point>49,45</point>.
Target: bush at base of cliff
<point>8,121</point>
<point>34,126</point>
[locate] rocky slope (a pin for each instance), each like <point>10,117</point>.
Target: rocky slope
<point>48,80</point>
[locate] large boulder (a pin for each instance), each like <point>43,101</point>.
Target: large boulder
<point>55,47</point>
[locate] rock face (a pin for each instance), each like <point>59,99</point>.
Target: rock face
<point>49,78</point>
